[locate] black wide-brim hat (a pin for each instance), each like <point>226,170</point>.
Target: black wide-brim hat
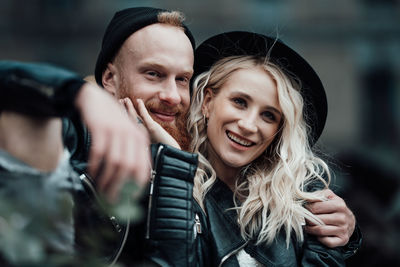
<point>248,43</point>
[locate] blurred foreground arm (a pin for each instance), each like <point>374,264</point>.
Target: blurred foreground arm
<point>119,147</point>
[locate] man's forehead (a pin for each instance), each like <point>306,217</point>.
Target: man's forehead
<point>157,34</point>
<point>160,43</point>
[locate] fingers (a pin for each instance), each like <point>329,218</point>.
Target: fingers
<point>126,162</point>
<point>329,194</point>
<point>332,241</point>
<point>111,166</point>
<point>142,168</point>
<point>119,148</point>
<point>97,151</point>
<point>325,230</point>
<point>130,109</point>
<point>144,114</point>
<point>329,235</point>
<point>339,221</point>
<point>157,133</point>
<point>113,188</point>
<point>137,164</point>
<point>333,204</point>
<point>337,218</point>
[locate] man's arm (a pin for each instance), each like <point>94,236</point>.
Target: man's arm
<point>339,221</point>
<point>36,142</point>
<point>119,147</point>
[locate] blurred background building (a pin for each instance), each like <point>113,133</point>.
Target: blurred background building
<point>354,45</point>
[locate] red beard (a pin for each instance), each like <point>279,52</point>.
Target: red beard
<point>178,129</point>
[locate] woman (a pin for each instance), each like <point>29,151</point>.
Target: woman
<point>257,109</point>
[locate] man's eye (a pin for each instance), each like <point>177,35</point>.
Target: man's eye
<point>239,101</point>
<point>182,79</point>
<point>153,73</point>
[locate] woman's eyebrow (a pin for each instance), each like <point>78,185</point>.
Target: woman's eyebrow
<point>248,97</point>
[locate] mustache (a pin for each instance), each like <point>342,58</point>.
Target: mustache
<point>178,130</point>
<point>156,105</point>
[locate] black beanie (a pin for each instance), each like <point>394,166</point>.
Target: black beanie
<point>122,25</point>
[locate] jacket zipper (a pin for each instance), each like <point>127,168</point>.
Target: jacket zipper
<point>227,256</point>
<point>86,180</point>
<point>153,176</point>
<point>197,225</point>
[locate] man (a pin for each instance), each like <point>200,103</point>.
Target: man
<point>153,62</point>
<point>147,53</point>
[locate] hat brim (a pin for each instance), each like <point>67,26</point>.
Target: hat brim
<point>248,43</point>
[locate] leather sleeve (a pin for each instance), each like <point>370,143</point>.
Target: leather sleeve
<point>316,254</point>
<point>37,89</point>
<point>356,238</point>
<point>171,217</point>
<point>77,140</point>
<point>354,243</point>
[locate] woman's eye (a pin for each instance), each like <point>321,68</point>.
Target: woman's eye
<point>239,101</point>
<point>269,116</point>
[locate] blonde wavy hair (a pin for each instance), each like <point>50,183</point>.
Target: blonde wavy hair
<point>273,188</point>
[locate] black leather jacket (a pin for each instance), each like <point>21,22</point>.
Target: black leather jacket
<point>170,234</point>
<point>44,90</point>
<point>220,239</point>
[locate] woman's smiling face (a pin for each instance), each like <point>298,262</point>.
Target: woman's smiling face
<point>243,118</point>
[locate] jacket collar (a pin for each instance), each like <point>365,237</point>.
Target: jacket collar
<point>223,227</point>
<point>226,235</point>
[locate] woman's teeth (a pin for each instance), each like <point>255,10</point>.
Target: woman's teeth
<point>239,140</point>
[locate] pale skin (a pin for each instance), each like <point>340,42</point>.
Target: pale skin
<point>36,142</point>
<point>154,64</point>
<point>339,221</point>
<point>241,125</point>
<point>117,142</point>
<point>156,132</point>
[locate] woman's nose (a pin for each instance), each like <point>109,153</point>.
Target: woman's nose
<point>247,124</point>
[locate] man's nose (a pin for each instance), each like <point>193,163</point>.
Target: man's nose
<point>170,93</point>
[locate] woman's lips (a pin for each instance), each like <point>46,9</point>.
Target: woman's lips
<point>239,139</point>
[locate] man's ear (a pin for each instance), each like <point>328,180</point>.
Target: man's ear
<point>110,79</point>
<point>207,102</point>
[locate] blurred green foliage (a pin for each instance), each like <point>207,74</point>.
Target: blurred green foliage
<point>36,223</point>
